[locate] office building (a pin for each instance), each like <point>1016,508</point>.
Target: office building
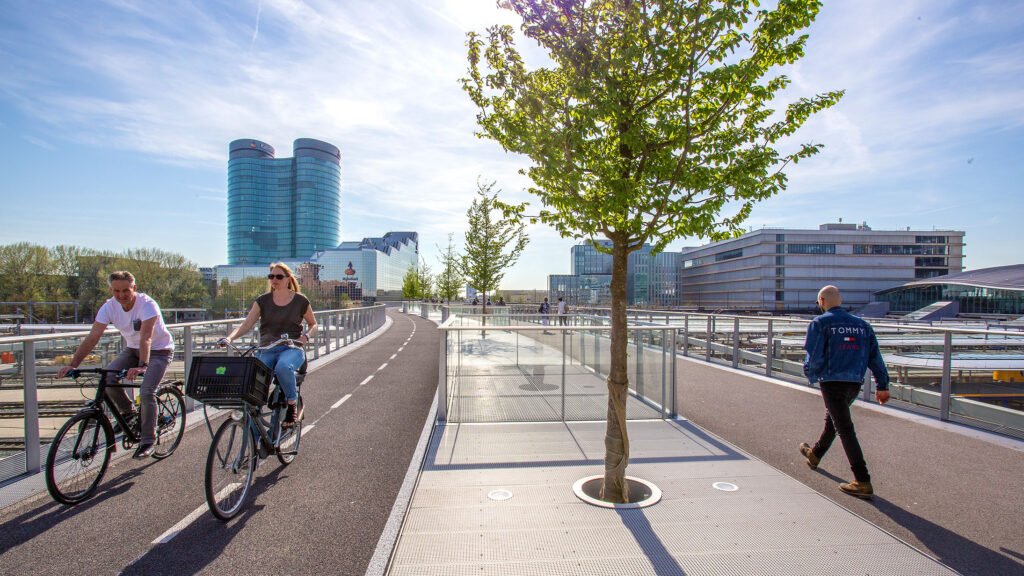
<point>783,269</point>
<point>369,270</point>
<point>651,279</point>
<point>998,290</point>
<point>282,208</point>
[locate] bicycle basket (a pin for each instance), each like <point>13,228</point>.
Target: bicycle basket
<point>228,381</point>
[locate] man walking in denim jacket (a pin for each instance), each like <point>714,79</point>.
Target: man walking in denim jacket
<point>840,348</point>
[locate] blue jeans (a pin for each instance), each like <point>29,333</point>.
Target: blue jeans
<point>284,361</point>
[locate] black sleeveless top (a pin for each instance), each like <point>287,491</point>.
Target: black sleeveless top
<point>277,320</point>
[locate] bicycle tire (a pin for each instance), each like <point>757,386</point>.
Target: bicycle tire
<point>170,420</point>
<point>78,457</point>
<point>288,445</point>
<point>230,466</point>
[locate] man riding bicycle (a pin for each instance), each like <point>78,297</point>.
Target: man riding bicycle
<point>281,311</point>
<point>148,351</point>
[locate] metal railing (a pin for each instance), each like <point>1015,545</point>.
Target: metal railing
<point>34,403</point>
<point>511,367</point>
<point>955,373</point>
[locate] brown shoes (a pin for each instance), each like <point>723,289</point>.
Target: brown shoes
<point>812,460</point>
<point>861,490</point>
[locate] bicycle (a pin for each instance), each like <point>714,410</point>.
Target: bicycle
<point>252,433</point>
<point>78,456</point>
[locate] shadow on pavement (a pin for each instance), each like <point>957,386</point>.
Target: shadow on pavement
<point>47,513</point>
<point>965,556</point>
<point>203,541</point>
<point>661,559</point>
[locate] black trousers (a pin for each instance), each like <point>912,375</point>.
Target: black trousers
<point>839,396</point>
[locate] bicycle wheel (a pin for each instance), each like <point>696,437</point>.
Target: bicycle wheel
<point>229,468</point>
<point>170,420</point>
<point>288,447</point>
<point>78,457</point>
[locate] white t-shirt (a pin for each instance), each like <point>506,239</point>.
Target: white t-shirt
<point>561,307</point>
<point>145,308</point>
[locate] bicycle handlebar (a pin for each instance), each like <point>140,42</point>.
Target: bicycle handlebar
<point>289,342</point>
<point>76,372</point>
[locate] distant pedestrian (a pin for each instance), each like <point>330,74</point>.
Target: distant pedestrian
<point>563,309</point>
<point>475,302</point>
<point>501,301</point>
<point>840,348</point>
<point>545,313</point>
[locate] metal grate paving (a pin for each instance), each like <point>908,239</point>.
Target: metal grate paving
<point>771,525</point>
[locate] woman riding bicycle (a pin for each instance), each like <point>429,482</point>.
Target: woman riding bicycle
<point>281,311</point>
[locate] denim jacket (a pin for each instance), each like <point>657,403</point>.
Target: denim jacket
<point>840,348</point>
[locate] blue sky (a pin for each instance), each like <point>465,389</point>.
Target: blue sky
<point>115,117</point>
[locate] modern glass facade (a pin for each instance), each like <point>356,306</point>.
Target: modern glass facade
<point>369,270</point>
<point>282,208</point>
<point>651,280</point>
<point>997,290</point>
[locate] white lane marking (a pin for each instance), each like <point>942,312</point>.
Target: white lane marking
<point>382,366</point>
<point>393,356</point>
<point>368,378</point>
<point>309,427</point>
<point>184,522</point>
<point>402,348</point>
<point>340,402</point>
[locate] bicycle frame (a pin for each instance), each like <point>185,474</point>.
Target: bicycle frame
<point>96,404</point>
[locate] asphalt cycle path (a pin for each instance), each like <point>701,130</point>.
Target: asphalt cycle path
<point>323,513</point>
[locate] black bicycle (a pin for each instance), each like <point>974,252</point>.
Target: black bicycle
<point>252,433</point>
<point>81,450</point>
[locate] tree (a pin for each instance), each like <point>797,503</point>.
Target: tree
<point>425,281</point>
<point>411,284</point>
<point>449,279</point>
<point>492,244</point>
<point>653,122</point>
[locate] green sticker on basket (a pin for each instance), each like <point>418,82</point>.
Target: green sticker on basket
<point>221,370</point>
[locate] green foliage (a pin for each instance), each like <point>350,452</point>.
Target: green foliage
<point>656,116</point>
<point>492,244</point>
<point>66,273</point>
<point>411,284</point>
<point>449,280</point>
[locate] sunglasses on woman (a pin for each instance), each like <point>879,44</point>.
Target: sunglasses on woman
<point>276,276</point>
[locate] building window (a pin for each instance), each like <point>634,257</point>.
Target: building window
<point>729,255</point>
<point>811,248</point>
<point>930,239</point>
<point>780,296</point>
<point>929,272</point>
<point>780,272</point>
<point>930,261</point>
<point>897,249</point>
<point>780,260</point>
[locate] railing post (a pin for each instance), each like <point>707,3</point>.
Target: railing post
<point>442,379</point>
<point>664,375</point>
<point>337,330</point>
<point>316,343</point>
<point>686,335</point>
<point>707,341</point>
<point>947,384</point>
<point>639,339</point>
<point>672,406</point>
<point>736,342</point>
<point>31,421</point>
<point>769,351</point>
<point>563,375</point>
<point>186,336</point>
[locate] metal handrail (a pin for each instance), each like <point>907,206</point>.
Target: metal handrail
<point>339,327</point>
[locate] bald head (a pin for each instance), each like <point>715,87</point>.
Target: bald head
<point>829,298</point>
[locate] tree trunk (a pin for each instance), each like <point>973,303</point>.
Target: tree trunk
<point>616,441</point>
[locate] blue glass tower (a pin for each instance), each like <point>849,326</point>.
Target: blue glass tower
<point>282,208</point>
